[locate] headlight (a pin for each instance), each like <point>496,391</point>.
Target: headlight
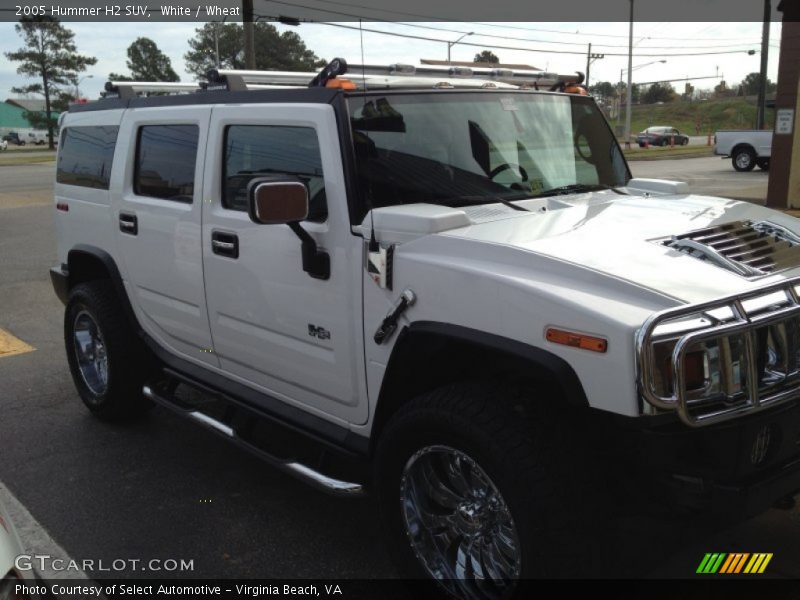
<point>712,369</point>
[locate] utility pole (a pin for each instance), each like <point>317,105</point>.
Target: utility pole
<point>628,94</point>
<point>249,42</point>
<point>762,84</point>
<point>590,58</point>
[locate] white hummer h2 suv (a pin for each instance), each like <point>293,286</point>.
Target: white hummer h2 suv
<point>444,289</point>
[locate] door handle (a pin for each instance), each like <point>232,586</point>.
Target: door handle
<point>225,244</point>
<point>128,223</point>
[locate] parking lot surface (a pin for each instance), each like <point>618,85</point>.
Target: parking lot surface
<point>164,488</point>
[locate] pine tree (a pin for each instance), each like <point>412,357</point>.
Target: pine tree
<point>273,50</point>
<point>50,54</point>
<point>147,63</point>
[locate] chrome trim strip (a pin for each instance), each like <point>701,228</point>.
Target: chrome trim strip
<point>714,256</point>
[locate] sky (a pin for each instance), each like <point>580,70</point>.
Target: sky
<point>652,42</point>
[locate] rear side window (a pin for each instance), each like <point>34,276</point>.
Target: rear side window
<point>85,155</point>
<point>166,156</point>
<point>270,150</point>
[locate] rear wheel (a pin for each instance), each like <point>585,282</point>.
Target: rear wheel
<point>474,494</point>
<point>763,164</point>
<point>108,361</point>
<point>743,159</point>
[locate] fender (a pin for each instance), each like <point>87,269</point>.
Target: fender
<point>415,368</point>
<point>81,266</point>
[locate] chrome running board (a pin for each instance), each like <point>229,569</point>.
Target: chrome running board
<point>295,469</point>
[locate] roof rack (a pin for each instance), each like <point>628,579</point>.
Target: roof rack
<point>363,77</point>
<point>129,89</point>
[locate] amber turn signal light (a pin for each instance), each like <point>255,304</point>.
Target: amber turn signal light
<point>576,340</point>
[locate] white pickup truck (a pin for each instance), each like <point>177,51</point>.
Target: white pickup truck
<point>745,148</point>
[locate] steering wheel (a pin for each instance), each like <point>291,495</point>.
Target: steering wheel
<point>505,166</point>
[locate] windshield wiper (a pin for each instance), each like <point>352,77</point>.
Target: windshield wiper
<point>576,188</point>
<point>472,200</point>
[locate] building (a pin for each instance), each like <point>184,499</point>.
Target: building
<point>12,114</point>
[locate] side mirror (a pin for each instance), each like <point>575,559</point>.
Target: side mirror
<point>277,201</point>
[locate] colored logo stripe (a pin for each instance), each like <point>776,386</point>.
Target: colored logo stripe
<point>736,562</point>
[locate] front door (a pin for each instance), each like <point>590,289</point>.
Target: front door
<point>274,327</point>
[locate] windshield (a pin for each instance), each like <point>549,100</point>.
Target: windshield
<point>458,149</point>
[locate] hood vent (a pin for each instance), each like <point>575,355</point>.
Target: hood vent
<point>749,249</point>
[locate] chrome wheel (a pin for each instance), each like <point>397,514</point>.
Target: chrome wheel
<point>743,160</point>
<point>458,523</point>
<point>90,352</point>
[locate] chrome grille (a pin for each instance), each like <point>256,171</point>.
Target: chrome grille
<point>749,249</point>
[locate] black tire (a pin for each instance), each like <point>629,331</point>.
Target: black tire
<point>664,143</point>
<point>743,159</point>
<point>763,164</point>
<point>521,455</point>
<point>685,142</point>
<point>118,397</point>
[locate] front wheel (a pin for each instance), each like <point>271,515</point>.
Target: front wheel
<point>474,496</point>
<point>763,164</point>
<point>108,362</point>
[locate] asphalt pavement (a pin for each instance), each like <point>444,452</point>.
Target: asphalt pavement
<point>165,488</point>
<point>711,175</point>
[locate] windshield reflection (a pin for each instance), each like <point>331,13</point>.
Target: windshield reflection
<point>459,149</point>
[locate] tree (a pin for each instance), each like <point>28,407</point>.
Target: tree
<point>486,56</point>
<point>659,92</point>
<point>281,51</point>
<point>750,84</point>
<point>603,89</point>
<point>50,54</point>
<point>146,63</point>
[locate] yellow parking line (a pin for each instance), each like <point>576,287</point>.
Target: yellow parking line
<point>9,345</point>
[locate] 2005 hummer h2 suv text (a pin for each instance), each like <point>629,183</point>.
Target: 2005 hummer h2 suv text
<point>443,287</point>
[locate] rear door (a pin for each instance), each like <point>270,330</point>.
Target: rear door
<point>276,328</point>
<point>157,217</point>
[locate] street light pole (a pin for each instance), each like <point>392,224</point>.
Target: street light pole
<point>451,44</point>
<point>628,93</point>
<point>762,83</point>
<point>249,41</point>
<point>78,85</point>
<point>590,58</point>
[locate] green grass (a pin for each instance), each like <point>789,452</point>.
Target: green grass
<point>11,159</point>
<point>713,115</point>
<point>636,153</point>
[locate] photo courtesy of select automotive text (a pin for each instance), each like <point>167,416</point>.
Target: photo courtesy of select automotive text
<point>354,300</point>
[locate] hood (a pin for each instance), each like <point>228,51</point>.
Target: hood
<point>664,243</point>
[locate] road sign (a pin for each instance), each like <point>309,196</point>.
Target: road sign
<point>784,121</point>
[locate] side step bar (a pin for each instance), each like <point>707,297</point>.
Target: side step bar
<point>296,469</point>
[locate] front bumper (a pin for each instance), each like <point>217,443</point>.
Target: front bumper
<point>733,470</point>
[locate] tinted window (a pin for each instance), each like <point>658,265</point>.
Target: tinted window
<point>85,155</point>
<point>265,150</point>
<point>165,161</point>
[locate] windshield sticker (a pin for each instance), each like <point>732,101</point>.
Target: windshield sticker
<point>508,104</point>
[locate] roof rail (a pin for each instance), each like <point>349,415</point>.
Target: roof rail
<point>129,89</point>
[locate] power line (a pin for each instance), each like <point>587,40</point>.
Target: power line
<point>502,47</point>
<point>488,35</point>
<point>497,25</point>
